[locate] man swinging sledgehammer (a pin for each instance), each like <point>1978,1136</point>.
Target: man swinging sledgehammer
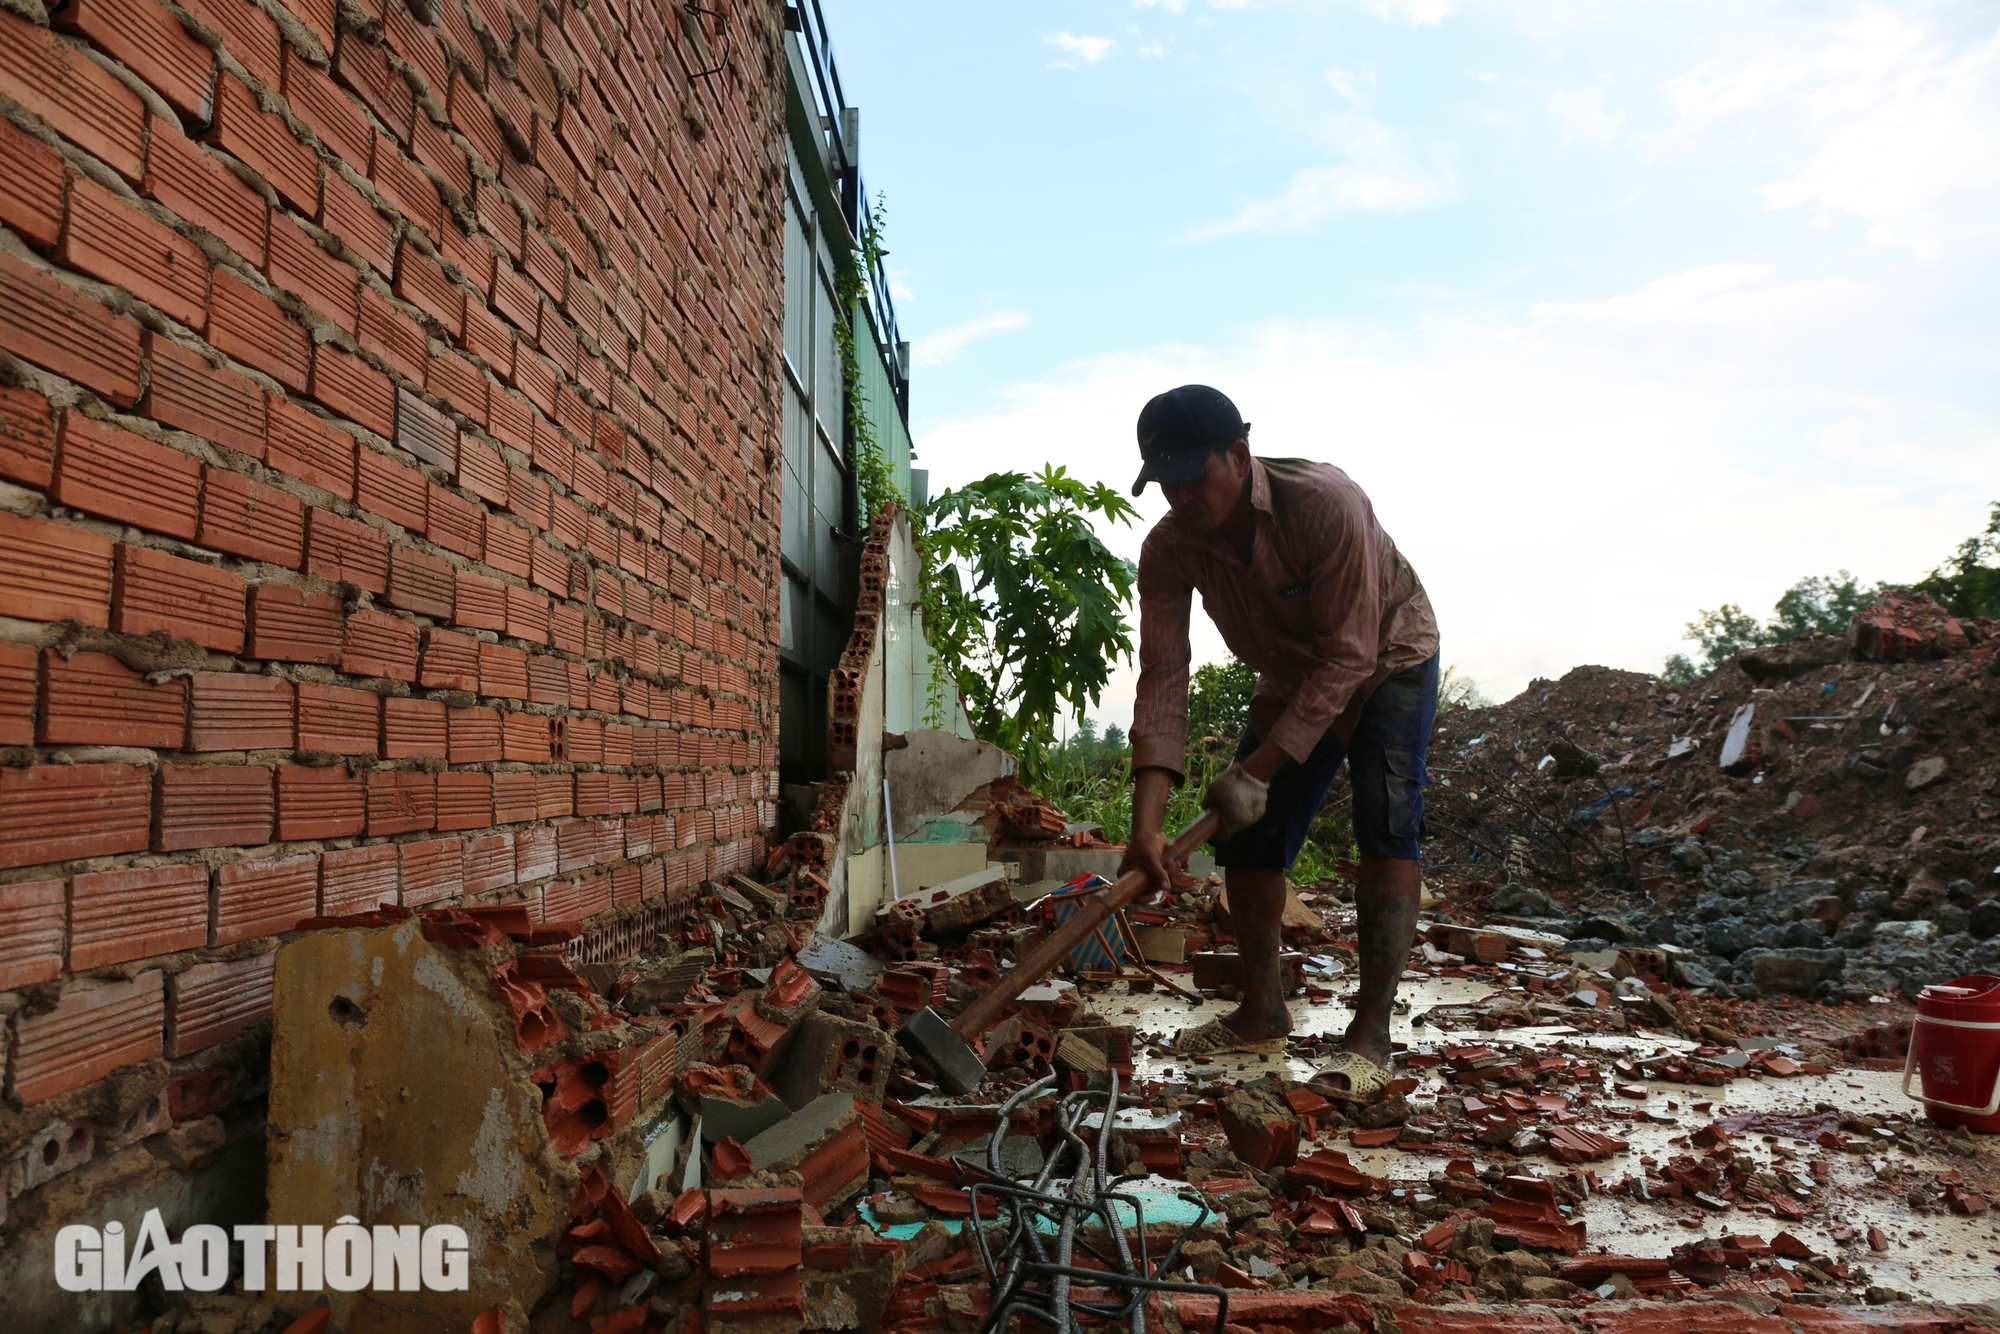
<point>1309,591</point>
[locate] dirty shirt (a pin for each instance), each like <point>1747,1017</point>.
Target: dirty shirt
<point>1325,610</point>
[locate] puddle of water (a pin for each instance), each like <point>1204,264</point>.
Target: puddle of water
<point>1936,1256</point>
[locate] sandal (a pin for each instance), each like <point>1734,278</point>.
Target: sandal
<point>1365,1079</point>
<point>1215,1038</point>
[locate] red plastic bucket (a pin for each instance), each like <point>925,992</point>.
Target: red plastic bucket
<point>1955,1047</point>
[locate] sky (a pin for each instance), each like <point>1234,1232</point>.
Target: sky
<point>1617,309</point>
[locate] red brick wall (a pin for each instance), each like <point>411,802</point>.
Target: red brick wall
<point>386,421</point>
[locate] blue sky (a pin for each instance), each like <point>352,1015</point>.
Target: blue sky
<point>1617,310</point>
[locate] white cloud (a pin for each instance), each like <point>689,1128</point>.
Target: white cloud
<point>1573,482</point>
<point>1084,50</point>
<point>1377,173</point>
<point>1153,50</point>
<point>1867,111</point>
<point>900,290</point>
<point>945,345</point>
<point>1583,119</point>
<point>1354,85</point>
<point>1425,13</point>
<point>1171,6</point>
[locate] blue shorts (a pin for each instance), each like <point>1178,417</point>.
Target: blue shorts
<point>1385,763</point>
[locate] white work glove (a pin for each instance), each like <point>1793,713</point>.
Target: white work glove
<point>1237,799</point>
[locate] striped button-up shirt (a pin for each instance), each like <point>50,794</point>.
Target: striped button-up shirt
<point>1325,610</point>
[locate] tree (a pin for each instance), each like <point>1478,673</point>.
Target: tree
<point>1966,584</point>
<point>1459,691</point>
<point>1817,605</point>
<point>1725,632</point>
<point>1024,604</point>
<point>1219,702</point>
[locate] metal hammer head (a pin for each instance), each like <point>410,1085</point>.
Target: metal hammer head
<point>927,1033</point>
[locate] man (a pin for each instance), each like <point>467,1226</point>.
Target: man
<point>1306,588</point>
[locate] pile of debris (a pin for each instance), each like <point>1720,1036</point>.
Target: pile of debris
<point>1813,818</point>
<point>1615,1087</point>
<point>727,1134</point>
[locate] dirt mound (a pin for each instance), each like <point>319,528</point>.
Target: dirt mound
<point>1829,800</point>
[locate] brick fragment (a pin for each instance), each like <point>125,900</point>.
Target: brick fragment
<point>92,699</point>
<point>357,880</point>
<point>184,598</point>
<point>239,711</point>
<point>214,805</point>
<point>209,401</point>
<point>337,720</point>
<point>318,803</point>
<point>191,183</point>
<point>60,812</point>
<point>213,1002</point>
<point>289,624</point>
<point>115,474</point>
<point>250,519</point>
<point>31,932</point>
<point>264,898</point>
<point>117,916</point>
<point>62,330</point>
<point>401,802</point>
<point>91,1032</point>
<point>85,103</point>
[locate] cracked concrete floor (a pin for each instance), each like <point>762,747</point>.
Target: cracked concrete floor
<point>1933,1255</point>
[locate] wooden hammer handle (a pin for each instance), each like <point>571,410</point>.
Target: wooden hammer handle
<point>1053,948</point>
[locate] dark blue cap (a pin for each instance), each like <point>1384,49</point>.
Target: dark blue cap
<point>1179,429</point>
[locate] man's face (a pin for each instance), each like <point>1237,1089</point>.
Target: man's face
<point>1203,504</point>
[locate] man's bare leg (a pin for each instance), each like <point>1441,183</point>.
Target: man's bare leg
<point>1257,911</point>
<point>1385,898</point>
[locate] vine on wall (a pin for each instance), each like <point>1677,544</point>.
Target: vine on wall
<point>875,481</point>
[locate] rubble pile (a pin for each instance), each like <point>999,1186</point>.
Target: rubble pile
<point>1607,1112</point>
<point>726,1134</point>
<point>1813,818</point>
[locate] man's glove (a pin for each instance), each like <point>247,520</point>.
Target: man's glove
<point>1237,798</point>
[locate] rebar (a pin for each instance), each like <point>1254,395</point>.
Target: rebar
<point>1026,1279</point>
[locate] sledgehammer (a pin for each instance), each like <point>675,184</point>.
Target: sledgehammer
<point>949,1045</point>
